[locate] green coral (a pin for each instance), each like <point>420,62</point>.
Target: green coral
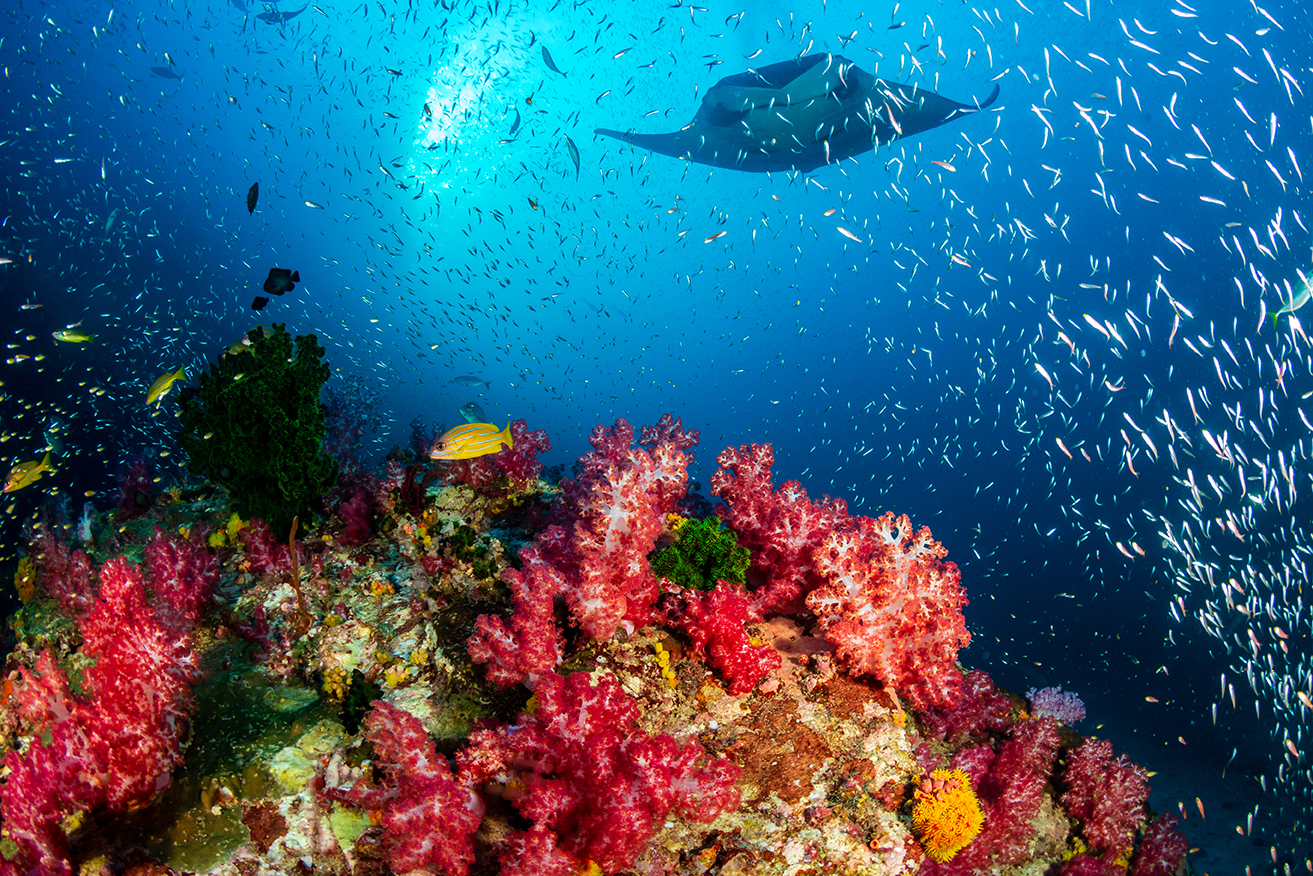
<point>255,426</point>
<point>704,552</point>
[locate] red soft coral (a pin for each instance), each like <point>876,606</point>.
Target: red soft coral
<point>782,529</point>
<point>1162,850</point>
<point>981,709</point>
<point>892,608</point>
<point>620,518</point>
<point>63,572</point>
<point>524,646</point>
<point>266,551</point>
<point>715,622</point>
<point>1010,783</point>
<point>116,747</point>
<point>1105,795</point>
<point>429,817</point>
<point>581,768</point>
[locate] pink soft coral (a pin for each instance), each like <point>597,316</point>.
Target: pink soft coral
<point>892,608</point>
<point>981,709</point>
<point>595,556</point>
<point>1105,795</point>
<point>1162,849</point>
<point>429,816</point>
<point>715,623</point>
<point>116,747</point>
<point>783,528</point>
<point>1010,783</point>
<point>527,644</point>
<point>592,781</point>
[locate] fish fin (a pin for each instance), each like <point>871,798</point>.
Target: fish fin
<point>296,276</point>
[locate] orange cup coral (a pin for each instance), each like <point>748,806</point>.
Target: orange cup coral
<point>947,814</point>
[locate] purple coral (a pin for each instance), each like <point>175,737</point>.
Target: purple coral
<point>1054,702</point>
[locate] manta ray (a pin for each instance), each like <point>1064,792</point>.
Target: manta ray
<point>799,115</point>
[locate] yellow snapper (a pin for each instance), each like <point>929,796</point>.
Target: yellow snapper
<point>25,473</point>
<point>71,336</point>
<point>249,340</point>
<point>470,440</point>
<point>160,388</point>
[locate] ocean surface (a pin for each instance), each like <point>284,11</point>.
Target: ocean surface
<point>1049,329</point>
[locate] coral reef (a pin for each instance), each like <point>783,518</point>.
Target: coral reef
<point>487,675</point>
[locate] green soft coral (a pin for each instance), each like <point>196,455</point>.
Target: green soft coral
<point>255,426</point>
<point>704,552</point>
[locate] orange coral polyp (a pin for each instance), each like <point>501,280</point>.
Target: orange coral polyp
<point>947,814</point>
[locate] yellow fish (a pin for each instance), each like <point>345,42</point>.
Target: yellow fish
<point>71,336</point>
<point>160,388</point>
<point>248,341</point>
<point>470,440</point>
<point>25,473</point>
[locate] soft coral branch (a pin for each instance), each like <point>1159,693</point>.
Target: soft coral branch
<point>892,608</point>
<point>116,747</point>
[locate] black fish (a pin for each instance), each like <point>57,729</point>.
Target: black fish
<point>252,195</point>
<point>165,73</point>
<point>547,59</point>
<point>800,115</point>
<point>259,302</point>
<point>281,17</point>
<point>281,280</point>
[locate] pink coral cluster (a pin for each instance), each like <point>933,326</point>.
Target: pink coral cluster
<point>356,512</point>
<point>1106,795</point>
<point>981,709</point>
<point>1161,849</point>
<point>597,551</point>
<point>1054,702</point>
<point>429,816</point>
<point>881,592</point>
<point>892,608</point>
<point>593,783</point>
<point>116,746</point>
<point>715,623</point>
<point>783,528</point>
<point>1011,764</point>
<point>266,551</point>
<point>528,644</point>
<point>63,572</point>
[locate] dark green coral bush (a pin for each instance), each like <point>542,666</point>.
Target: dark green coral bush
<point>704,552</point>
<point>255,426</point>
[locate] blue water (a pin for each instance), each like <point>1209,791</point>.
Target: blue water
<point>887,372</point>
